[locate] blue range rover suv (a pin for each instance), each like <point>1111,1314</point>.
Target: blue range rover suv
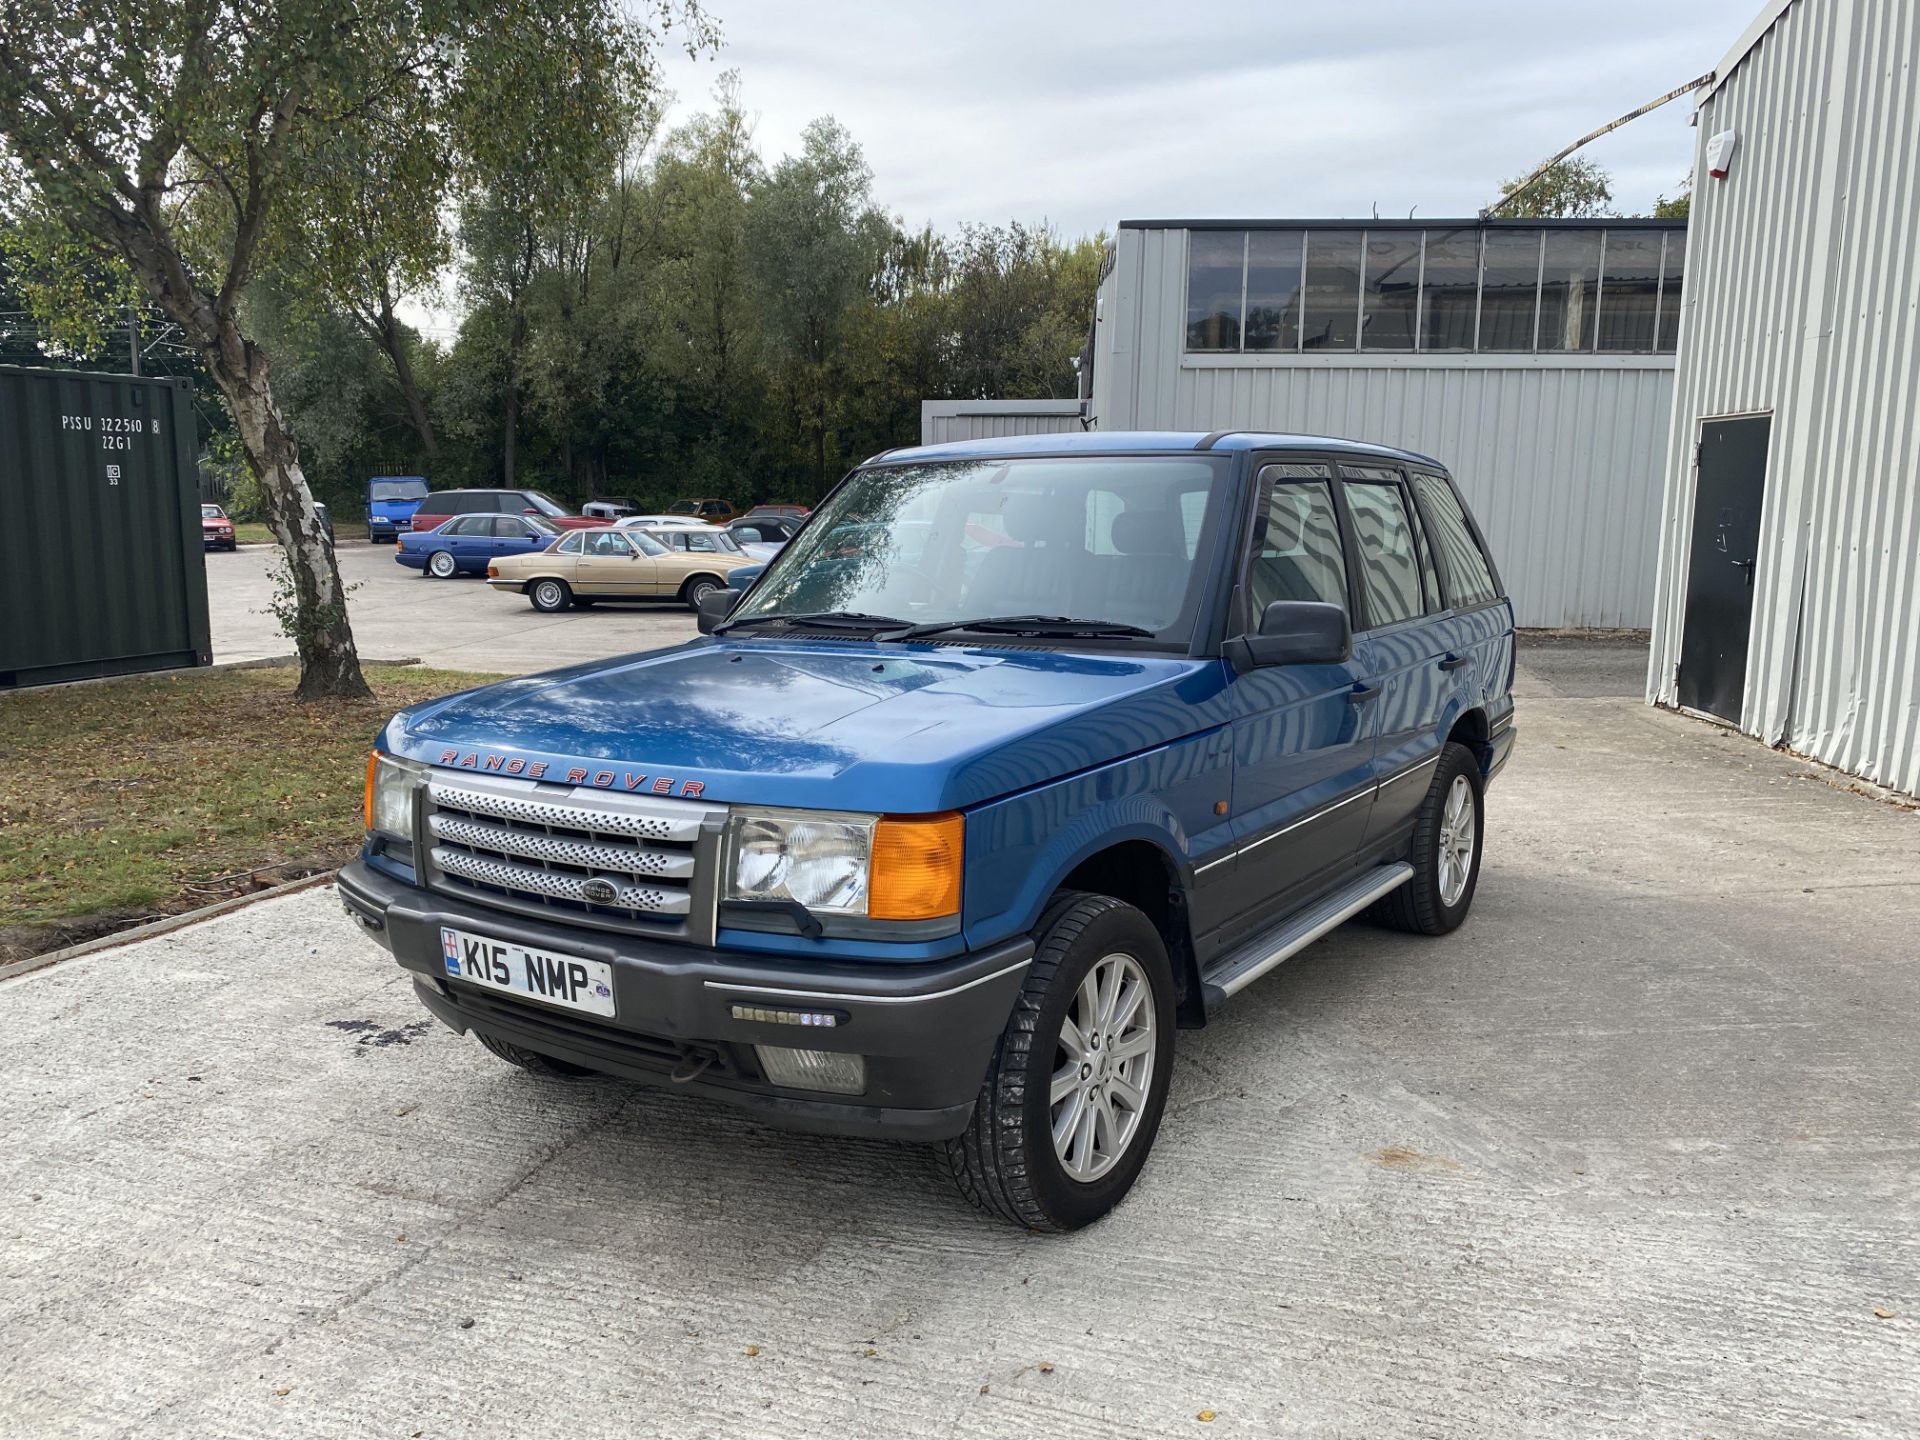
<point>941,836</point>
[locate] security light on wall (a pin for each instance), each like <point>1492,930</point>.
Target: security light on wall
<point>1720,150</point>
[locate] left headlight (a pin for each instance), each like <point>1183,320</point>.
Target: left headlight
<point>885,867</point>
<point>391,782</point>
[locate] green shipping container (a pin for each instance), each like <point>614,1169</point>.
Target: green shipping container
<point>101,568</point>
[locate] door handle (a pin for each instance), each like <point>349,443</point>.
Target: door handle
<point>1453,662</point>
<point>1362,692</point>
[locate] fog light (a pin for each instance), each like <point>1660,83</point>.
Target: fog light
<point>813,1069</point>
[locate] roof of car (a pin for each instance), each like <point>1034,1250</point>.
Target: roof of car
<point>1143,442</point>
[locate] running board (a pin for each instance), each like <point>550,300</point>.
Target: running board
<point>1251,959</point>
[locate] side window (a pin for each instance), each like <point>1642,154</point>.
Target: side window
<point>1299,556</point>
<point>1469,577</point>
<point>1389,556</point>
<point>572,544</point>
<point>607,544</point>
<point>644,542</point>
<point>467,527</point>
<point>699,541</point>
<point>505,527</point>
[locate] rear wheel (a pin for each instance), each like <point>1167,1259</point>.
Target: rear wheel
<point>1447,834</point>
<point>1073,1097</point>
<point>550,596</point>
<point>532,1061</point>
<point>441,565</point>
<point>697,589</point>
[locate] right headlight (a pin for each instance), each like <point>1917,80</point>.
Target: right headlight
<point>885,867</point>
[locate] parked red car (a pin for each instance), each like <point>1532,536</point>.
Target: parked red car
<point>442,505</point>
<point>216,529</point>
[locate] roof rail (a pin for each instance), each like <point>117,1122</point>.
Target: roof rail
<point>1212,438</point>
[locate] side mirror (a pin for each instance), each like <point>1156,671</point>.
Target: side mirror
<point>716,606</point>
<point>1293,632</point>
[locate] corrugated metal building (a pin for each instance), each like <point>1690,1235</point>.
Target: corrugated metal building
<point>945,420</point>
<point>1788,600</point>
<point>1535,359</point>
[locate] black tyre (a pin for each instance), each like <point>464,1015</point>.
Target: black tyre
<point>531,1060</point>
<point>1087,1056</point>
<point>697,589</point>
<point>441,565</point>
<point>1447,836</point>
<point>550,597</point>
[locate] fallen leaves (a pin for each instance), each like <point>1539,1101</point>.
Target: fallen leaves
<point>1882,1314</point>
<point>752,1350</point>
<point>1206,1417</point>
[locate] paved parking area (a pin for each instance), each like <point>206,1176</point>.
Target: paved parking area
<point>453,624</point>
<point>1635,1153</point>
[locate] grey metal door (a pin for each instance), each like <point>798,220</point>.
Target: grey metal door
<point>1730,480</point>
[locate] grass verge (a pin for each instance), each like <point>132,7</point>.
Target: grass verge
<point>255,532</point>
<point>127,800</point>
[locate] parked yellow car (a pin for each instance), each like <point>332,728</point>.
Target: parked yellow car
<point>588,565</point>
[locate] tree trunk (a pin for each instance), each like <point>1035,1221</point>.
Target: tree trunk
<point>329,661</point>
<point>509,429</point>
<point>394,343</point>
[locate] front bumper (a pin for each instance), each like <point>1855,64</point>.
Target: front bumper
<point>927,1030</point>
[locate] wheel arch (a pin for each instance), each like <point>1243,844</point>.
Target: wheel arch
<point>1472,729</point>
<point>1142,873</point>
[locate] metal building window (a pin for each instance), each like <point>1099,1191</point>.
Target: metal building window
<point>1450,290</point>
<point>1216,288</point>
<point>1274,260</point>
<point>1671,275</point>
<point>1331,290</point>
<point>1507,289</point>
<point>1630,291</point>
<point>1390,290</point>
<point>1569,289</point>
<point>1510,289</point>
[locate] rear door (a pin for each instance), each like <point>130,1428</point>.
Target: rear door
<point>1401,647</point>
<point>1302,742</point>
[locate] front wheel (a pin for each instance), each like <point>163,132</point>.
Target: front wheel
<point>550,597</point>
<point>697,589</point>
<point>1447,834</point>
<point>1073,1097</point>
<point>441,565</point>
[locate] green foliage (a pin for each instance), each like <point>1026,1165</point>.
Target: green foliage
<point>1677,207</point>
<point>1575,189</point>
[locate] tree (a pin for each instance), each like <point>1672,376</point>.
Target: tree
<point>1572,190</point>
<point>1679,207</point>
<point>193,140</point>
<point>814,243</point>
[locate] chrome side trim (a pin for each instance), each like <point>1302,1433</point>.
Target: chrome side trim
<point>1324,810</point>
<point>1409,771</point>
<point>854,997</point>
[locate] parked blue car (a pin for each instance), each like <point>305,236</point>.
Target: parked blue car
<point>464,544</point>
<point>741,577</point>
<point>391,502</point>
<point>1022,755</point>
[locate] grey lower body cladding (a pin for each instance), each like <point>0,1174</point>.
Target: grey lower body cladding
<point>689,1017</point>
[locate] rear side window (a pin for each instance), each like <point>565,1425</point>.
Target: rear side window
<point>1299,555</point>
<point>1469,576</point>
<point>571,545</point>
<point>1389,556</point>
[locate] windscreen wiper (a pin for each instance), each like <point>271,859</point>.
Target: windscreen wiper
<point>1042,626</point>
<point>817,620</point>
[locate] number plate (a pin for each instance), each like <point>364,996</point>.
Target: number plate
<point>570,980</point>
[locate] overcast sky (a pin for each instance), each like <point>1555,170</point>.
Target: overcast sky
<point>1085,114</point>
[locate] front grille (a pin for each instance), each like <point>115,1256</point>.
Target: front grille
<point>638,863</point>
<point>608,1042</point>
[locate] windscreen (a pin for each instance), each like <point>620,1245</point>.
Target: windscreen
<point>1095,538</point>
<point>396,490</point>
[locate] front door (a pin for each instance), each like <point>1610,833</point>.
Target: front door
<point>1730,482</point>
<point>1303,735</point>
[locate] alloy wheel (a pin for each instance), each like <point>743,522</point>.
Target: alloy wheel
<point>1103,1067</point>
<point>1458,826</point>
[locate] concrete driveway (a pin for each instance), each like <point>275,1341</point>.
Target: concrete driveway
<point>1634,1153</point>
<point>453,624</point>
